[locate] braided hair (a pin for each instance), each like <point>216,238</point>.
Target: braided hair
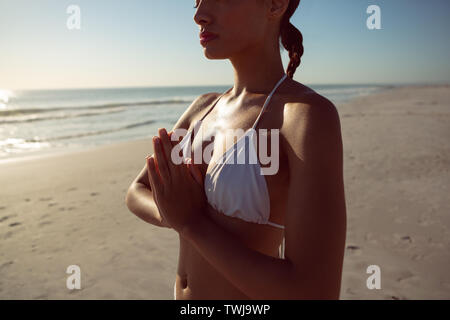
<point>291,38</point>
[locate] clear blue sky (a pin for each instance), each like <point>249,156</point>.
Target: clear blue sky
<point>155,43</point>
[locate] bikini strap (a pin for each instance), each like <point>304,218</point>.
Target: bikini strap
<point>266,103</point>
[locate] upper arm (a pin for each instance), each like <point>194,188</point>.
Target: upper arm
<point>183,122</point>
<point>315,223</point>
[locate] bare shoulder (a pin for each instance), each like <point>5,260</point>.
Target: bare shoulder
<point>311,125</point>
<point>195,109</point>
<point>202,103</point>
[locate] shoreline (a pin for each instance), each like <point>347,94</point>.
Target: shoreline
<point>50,153</point>
<point>46,152</point>
<point>64,209</point>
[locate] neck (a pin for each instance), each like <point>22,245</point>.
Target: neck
<point>257,70</point>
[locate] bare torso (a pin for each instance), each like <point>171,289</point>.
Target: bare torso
<point>196,278</point>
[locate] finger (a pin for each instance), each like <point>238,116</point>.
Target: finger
<point>156,166</point>
<point>155,180</point>
<point>153,176</point>
<point>149,176</point>
<point>180,138</point>
<point>160,160</point>
<point>174,139</point>
<point>174,142</point>
<point>170,137</point>
<point>167,147</point>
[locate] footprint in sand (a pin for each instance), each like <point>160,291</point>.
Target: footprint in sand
<point>6,264</point>
<point>67,208</point>
<point>406,239</point>
<point>2,208</point>
<point>405,275</point>
<point>417,257</point>
<point>402,239</point>
<point>4,218</point>
<point>43,223</point>
<point>52,204</point>
<point>15,224</point>
<point>354,249</point>
<point>72,189</point>
<point>45,199</point>
<point>8,235</point>
<point>93,194</point>
<point>408,276</point>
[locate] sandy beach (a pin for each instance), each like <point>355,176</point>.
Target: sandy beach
<point>69,209</point>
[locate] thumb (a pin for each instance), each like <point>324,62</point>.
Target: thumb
<point>170,138</point>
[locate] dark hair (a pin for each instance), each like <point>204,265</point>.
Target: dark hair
<point>291,38</point>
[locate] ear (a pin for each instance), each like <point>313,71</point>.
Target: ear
<point>276,8</point>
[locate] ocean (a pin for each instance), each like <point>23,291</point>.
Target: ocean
<point>41,121</point>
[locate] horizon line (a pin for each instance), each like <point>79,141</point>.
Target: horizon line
<point>224,85</point>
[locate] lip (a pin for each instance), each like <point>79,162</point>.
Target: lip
<point>206,36</point>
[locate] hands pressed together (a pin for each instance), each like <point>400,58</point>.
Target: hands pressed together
<point>177,189</point>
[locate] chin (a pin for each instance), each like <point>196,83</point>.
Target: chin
<point>214,54</point>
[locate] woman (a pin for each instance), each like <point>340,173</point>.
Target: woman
<point>231,222</point>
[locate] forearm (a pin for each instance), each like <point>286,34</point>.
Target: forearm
<point>257,275</point>
<point>139,200</point>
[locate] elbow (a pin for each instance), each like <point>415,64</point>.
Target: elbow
<point>129,197</point>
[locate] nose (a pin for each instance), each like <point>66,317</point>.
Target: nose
<point>202,16</point>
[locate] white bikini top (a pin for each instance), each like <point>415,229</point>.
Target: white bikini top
<point>237,188</point>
